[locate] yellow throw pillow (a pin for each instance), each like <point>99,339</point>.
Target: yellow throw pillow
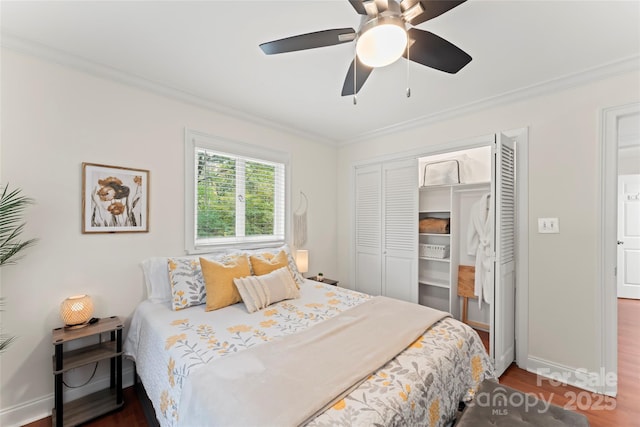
<point>218,280</point>
<point>266,263</point>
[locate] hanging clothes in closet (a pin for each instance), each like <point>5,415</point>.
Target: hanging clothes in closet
<point>479,233</point>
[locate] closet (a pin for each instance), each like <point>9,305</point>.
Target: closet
<point>385,237</point>
<point>412,239</point>
<point>440,254</point>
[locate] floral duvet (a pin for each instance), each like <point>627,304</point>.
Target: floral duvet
<point>421,386</point>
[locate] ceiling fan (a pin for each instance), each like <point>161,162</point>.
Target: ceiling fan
<point>385,34</point>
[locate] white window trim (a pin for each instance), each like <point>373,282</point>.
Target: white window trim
<point>195,139</point>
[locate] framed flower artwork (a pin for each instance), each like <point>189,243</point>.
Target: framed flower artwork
<point>114,199</point>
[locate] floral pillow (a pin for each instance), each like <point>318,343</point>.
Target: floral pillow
<point>187,283</point>
<point>187,286</point>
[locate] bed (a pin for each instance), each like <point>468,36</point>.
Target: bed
<point>175,349</point>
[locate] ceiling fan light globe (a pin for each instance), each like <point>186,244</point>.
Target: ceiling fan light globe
<point>381,45</point>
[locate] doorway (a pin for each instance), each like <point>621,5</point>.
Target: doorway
<point>473,192</point>
<point>619,124</point>
<point>628,264</point>
<point>520,135</point>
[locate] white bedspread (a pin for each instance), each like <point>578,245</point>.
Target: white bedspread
<point>421,386</point>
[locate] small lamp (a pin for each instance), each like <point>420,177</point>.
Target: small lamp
<point>302,260</point>
<point>76,311</point>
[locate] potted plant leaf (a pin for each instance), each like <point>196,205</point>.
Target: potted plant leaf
<point>12,207</point>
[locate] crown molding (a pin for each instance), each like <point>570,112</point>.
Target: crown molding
<point>106,72</point>
<point>611,69</point>
<point>100,70</point>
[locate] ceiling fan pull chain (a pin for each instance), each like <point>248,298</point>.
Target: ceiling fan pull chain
<point>408,60</point>
<point>355,72</point>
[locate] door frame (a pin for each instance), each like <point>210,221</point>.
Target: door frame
<point>607,292</point>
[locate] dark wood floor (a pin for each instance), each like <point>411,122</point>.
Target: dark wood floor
<point>625,410</point>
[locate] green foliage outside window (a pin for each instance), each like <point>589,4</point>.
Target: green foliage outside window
<point>216,200</point>
<point>217,196</point>
<point>259,194</point>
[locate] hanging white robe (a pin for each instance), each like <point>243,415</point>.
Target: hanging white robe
<point>479,236</point>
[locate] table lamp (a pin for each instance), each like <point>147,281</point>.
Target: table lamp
<point>76,311</point>
<point>302,260</point>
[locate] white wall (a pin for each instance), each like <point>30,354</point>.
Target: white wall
<point>564,161</point>
<point>53,119</point>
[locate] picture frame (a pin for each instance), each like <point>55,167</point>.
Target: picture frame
<point>115,199</point>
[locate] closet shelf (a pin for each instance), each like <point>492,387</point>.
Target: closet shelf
<point>456,186</point>
<point>434,282</point>
<point>435,259</point>
<point>435,234</point>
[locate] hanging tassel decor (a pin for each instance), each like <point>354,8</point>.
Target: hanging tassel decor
<point>300,222</point>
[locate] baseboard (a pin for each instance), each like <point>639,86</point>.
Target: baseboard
<point>557,373</point>
<point>36,409</point>
<point>27,412</point>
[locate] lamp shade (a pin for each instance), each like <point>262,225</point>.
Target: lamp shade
<point>302,260</point>
<point>76,310</point>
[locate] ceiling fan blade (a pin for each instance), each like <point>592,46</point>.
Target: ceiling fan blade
<point>309,41</point>
<point>358,6</point>
<point>433,8</point>
<point>362,74</point>
<point>435,52</point>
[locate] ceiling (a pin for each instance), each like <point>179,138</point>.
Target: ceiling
<point>207,52</point>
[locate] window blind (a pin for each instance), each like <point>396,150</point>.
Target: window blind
<point>235,193</point>
<point>238,198</point>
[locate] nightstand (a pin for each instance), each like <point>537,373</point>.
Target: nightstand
<point>101,402</point>
<point>325,280</point>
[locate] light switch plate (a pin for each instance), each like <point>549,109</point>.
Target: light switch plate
<point>548,225</point>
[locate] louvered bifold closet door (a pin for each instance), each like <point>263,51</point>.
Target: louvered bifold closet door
<point>400,230</point>
<point>368,229</point>
<point>503,325</point>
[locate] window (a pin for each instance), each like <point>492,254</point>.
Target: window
<point>235,193</point>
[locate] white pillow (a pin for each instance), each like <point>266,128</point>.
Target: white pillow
<point>156,277</point>
<point>258,292</point>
